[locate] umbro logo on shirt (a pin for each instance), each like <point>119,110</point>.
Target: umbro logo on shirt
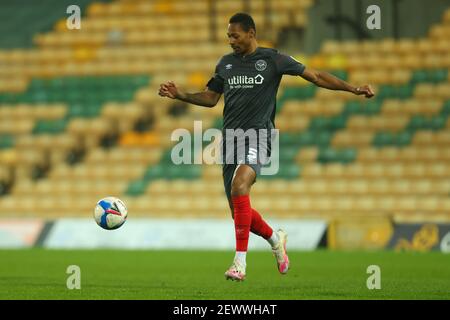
<point>228,66</point>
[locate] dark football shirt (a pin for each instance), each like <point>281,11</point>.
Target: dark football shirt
<point>250,86</point>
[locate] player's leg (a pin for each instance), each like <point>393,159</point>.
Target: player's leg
<point>276,239</point>
<point>240,196</point>
<point>262,153</point>
<point>235,189</point>
<point>237,181</point>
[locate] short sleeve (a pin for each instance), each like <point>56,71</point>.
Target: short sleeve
<point>288,65</point>
<point>216,82</point>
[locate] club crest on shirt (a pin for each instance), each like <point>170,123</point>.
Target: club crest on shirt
<point>261,65</point>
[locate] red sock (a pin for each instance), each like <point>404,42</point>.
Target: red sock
<point>259,226</point>
<point>242,220</point>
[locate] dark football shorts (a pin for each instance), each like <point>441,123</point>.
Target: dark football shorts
<point>253,154</point>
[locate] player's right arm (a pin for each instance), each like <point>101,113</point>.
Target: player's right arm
<point>207,98</point>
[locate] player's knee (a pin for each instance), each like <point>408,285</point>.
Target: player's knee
<point>240,187</point>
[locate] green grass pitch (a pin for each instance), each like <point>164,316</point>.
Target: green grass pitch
<point>116,274</point>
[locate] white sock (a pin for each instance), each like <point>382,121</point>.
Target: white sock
<point>240,258</point>
<point>274,240</point>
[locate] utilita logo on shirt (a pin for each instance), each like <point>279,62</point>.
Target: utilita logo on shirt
<point>244,82</point>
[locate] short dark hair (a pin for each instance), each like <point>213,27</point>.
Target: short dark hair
<point>245,20</point>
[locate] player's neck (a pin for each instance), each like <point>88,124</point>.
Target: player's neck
<point>250,50</point>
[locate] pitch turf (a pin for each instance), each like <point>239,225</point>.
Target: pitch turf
<point>112,274</point>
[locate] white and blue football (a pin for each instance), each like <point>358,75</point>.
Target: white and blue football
<point>110,213</point>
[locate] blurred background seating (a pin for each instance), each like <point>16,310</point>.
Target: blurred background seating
<point>80,117</point>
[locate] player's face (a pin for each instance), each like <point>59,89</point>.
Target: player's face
<point>239,39</point>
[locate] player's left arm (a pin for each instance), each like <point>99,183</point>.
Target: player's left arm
<point>328,81</point>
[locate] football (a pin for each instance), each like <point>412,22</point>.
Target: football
<point>110,213</point>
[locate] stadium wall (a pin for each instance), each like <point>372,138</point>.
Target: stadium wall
<point>215,234</point>
<point>208,234</point>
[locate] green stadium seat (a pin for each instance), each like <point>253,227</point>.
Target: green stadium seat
<point>139,81</point>
<point>84,110</point>
<point>323,138</point>
<point>419,76</point>
<point>438,122</point>
<point>384,92</point>
<point>299,93</point>
<point>288,154</point>
<point>56,83</point>
<point>125,95</point>
<point>439,75</point>
<point>371,107</point>
<point>59,96</point>
<point>306,138</point>
<point>156,172</point>
<point>425,123</point>
<point>166,157</point>
<point>434,76</point>
<point>39,84</point>
<point>289,172</point>
<point>353,107</point>
<point>417,122</point>
<point>446,109</point>
<point>6,141</point>
<point>288,139</point>
<point>172,171</point>
<point>400,92</point>
<point>338,122</point>
<point>402,139</point>
<point>319,123</point>
<point>76,110</point>
<point>328,123</point>
<point>74,96</point>
<point>286,171</point>
<point>382,139</point>
<point>188,172</point>
<point>137,188</point>
<point>341,74</point>
<point>50,126</point>
<point>327,155</point>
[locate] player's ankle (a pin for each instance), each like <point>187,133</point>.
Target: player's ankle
<point>274,240</point>
<point>240,259</point>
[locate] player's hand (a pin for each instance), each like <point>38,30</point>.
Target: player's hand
<point>365,90</point>
<point>169,89</point>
